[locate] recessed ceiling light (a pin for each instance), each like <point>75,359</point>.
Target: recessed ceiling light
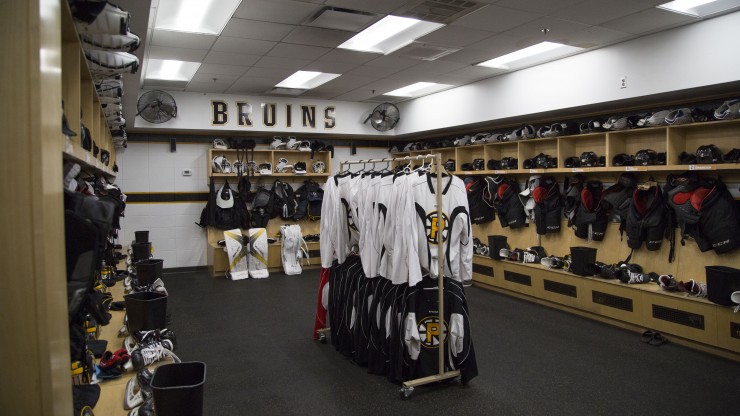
<point>418,89</point>
<point>541,52</point>
<point>389,34</point>
<point>306,80</point>
<point>196,16</point>
<point>699,8</point>
<point>166,69</point>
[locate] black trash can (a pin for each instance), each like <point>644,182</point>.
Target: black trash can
<point>146,311</point>
<point>141,236</point>
<point>495,244</point>
<point>580,258</point>
<point>147,271</point>
<point>141,251</point>
<point>722,281</point>
<point>177,389</point>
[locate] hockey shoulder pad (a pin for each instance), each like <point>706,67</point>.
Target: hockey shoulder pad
<point>111,20</point>
<point>105,63</point>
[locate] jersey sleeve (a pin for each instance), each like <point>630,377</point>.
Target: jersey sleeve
<point>328,221</point>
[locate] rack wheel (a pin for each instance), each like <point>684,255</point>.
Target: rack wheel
<point>405,392</point>
<point>322,338</point>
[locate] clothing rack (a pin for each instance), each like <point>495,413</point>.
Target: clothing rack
<point>408,386</point>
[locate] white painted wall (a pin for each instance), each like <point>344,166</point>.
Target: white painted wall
<point>695,55</point>
<point>194,112</point>
<point>151,167</point>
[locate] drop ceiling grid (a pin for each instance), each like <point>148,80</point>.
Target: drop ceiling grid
<point>265,41</point>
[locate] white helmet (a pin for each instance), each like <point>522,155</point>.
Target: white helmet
<point>292,143</point>
<point>283,166</point>
<point>265,168</point>
<point>318,167</point>
<point>304,146</point>
<point>277,143</point>
<point>220,144</point>
<point>221,165</point>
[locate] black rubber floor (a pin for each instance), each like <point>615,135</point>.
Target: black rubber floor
<point>255,336</point>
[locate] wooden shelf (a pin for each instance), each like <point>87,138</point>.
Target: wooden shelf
<point>272,156</point>
<point>670,139</point>
<point>279,175</point>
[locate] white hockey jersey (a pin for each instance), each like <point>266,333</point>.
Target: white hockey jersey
<point>419,225</point>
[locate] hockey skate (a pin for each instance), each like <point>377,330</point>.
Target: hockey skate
<point>138,389</point>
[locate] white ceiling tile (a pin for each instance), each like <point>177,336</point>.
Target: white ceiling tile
<point>349,57</point>
<point>289,50</point>
<point>537,6</point>
<point>220,78</point>
<point>222,69</point>
<point>373,71</point>
<point>226,58</point>
<point>322,95</point>
<point>356,95</point>
<point>182,39</point>
<point>214,87</point>
<point>595,36</point>
<point>241,45</point>
<point>647,21</point>
<point>330,67</point>
<point>593,12</point>
<point>468,56</point>
<point>388,61</point>
<point>495,19</point>
<point>437,67</point>
<point>557,29</point>
<point>458,36</point>
<point>255,29</point>
<point>278,11</point>
<point>178,54</point>
<point>374,6</point>
<point>281,63</point>
<point>348,81</point>
<point>316,36</point>
<point>502,44</point>
<point>251,85</point>
<point>268,73</point>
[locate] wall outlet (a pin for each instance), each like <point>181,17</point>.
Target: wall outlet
<point>187,172</point>
<point>623,82</point>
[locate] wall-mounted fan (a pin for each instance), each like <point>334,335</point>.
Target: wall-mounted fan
<point>156,106</point>
<point>384,117</point>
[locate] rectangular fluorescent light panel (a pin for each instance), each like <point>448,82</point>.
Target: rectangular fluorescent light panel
<point>539,53</point>
<point>166,69</point>
<point>418,89</point>
<point>195,16</point>
<point>699,8</point>
<point>306,80</point>
<point>389,34</point>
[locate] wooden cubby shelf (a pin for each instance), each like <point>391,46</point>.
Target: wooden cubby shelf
<point>272,156</point>
<point>81,104</point>
<point>670,139</point>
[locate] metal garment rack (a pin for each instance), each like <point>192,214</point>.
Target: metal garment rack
<point>408,386</point>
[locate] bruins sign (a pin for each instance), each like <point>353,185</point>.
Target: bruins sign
<point>307,116</point>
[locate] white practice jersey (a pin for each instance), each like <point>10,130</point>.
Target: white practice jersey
<point>419,225</point>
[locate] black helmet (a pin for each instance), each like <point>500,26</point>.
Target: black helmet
<point>546,161</point>
<point>646,157</point>
<point>708,154</point>
<point>589,159</point>
<point>623,159</point>
<point>572,162</point>
<point>450,165</point>
<point>478,164</point>
<point>494,164</point>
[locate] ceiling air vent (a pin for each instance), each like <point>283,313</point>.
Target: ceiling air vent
<point>340,19</point>
<point>426,52</point>
<point>438,11</point>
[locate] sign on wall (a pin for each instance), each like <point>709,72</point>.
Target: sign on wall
<point>238,113</point>
<point>305,114</point>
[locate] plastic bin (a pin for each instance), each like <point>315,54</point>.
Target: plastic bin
<point>495,244</point>
<point>141,236</point>
<point>722,281</point>
<point>580,258</point>
<point>177,389</point>
<point>141,251</point>
<point>146,311</point>
<point>147,271</point>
